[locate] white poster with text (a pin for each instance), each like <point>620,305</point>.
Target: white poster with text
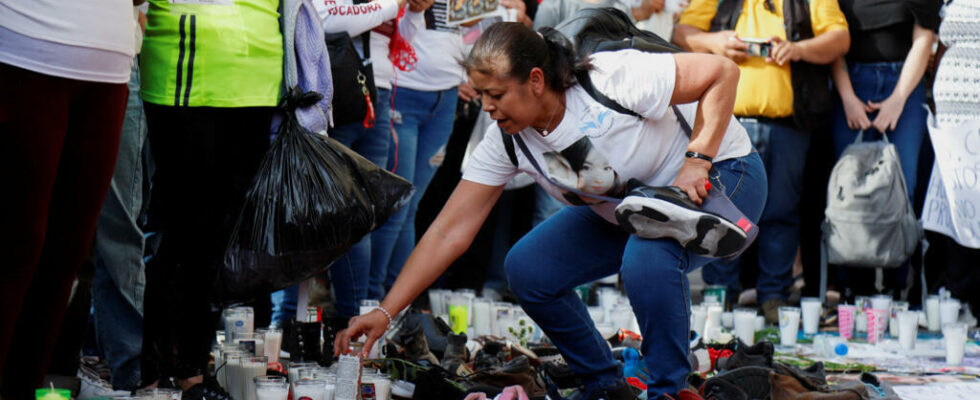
<point>952,205</point>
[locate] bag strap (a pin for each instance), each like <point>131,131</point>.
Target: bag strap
<point>585,81</point>
<point>534,162</point>
<point>509,146</point>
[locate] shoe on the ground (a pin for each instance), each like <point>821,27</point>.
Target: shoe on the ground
<point>757,355</point>
<point>620,391</point>
<point>455,355</point>
<point>93,386</point>
<point>417,345</point>
<point>744,383</point>
<point>813,377</point>
<point>208,390</point>
<point>667,212</point>
<point>770,308</point>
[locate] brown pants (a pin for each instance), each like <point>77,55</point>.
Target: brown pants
<point>58,143</point>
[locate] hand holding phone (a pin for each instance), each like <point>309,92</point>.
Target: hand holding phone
<point>758,47</point>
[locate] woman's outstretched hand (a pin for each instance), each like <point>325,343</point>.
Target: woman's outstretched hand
<point>373,325</point>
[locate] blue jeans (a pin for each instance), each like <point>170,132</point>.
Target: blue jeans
<point>875,82</point>
<point>577,246</point>
<point>783,152</point>
<point>117,287</point>
<point>423,122</point>
<point>349,275</point>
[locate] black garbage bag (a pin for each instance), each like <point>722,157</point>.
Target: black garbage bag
<point>310,201</point>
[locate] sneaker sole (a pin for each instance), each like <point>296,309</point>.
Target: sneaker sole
<point>699,232</point>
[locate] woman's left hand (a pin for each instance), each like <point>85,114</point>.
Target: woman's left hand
<point>889,111</point>
<point>693,178</point>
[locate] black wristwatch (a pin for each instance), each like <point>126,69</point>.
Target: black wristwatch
<point>694,154</point>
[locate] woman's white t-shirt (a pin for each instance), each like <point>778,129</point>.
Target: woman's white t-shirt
<point>597,150</point>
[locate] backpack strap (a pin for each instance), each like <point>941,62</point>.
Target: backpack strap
<point>537,167</point>
<point>509,146</point>
<point>586,82</point>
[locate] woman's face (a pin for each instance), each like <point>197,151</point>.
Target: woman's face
<point>509,102</point>
<point>596,176</point>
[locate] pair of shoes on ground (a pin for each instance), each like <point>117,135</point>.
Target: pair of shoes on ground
<point>667,212</point>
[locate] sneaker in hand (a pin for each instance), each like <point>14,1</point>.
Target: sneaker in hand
<point>667,212</point>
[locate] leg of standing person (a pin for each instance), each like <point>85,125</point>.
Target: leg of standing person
<point>351,274</point>
<point>61,138</point>
<point>784,156</point>
<point>117,288</point>
<point>432,115</point>
<point>206,158</point>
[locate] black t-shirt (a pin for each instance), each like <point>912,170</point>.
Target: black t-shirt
<point>881,30</point>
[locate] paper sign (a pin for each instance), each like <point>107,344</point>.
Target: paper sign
<point>952,205</point>
<point>451,13</point>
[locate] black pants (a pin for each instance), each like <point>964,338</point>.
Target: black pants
<point>205,160</point>
<point>58,143</point>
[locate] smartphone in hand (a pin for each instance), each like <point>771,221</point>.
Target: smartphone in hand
<point>758,47</point>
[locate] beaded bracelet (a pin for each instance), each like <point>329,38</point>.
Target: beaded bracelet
<point>387,314</point>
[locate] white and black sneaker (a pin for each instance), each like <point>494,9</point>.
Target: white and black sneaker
<point>667,212</point>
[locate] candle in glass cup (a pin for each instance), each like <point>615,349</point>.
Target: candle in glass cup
<point>883,302</point>
<point>234,375</point>
<point>932,313</point>
<point>789,325</point>
<point>954,336</point>
<point>897,307</point>
<point>271,387</point>
<point>745,325</point>
<point>311,389</point>
<point>273,343</point>
<point>908,328</point>
<point>238,320</point>
<point>251,368</point>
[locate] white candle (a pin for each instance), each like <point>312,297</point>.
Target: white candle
<point>273,344</point>
<point>309,390</point>
<point>745,325</point>
<point>810,310</point>
<point>251,368</point>
<point>789,325</point>
<point>269,392</point>
<point>932,313</point>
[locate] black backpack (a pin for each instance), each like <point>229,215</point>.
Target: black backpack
<point>811,82</point>
<point>353,77</point>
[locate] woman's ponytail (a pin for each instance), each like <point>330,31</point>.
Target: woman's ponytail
<point>524,49</point>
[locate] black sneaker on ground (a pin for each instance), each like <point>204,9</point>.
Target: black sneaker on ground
<point>667,212</point>
<point>621,391</point>
<point>209,390</point>
<point>745,383</point>
<point>757,355</point>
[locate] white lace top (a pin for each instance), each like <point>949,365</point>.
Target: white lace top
<point>957,87</point>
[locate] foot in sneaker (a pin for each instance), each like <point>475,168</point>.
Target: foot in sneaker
<point>667,212</point>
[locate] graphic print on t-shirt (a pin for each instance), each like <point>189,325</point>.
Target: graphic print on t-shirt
<point>580,166</point>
